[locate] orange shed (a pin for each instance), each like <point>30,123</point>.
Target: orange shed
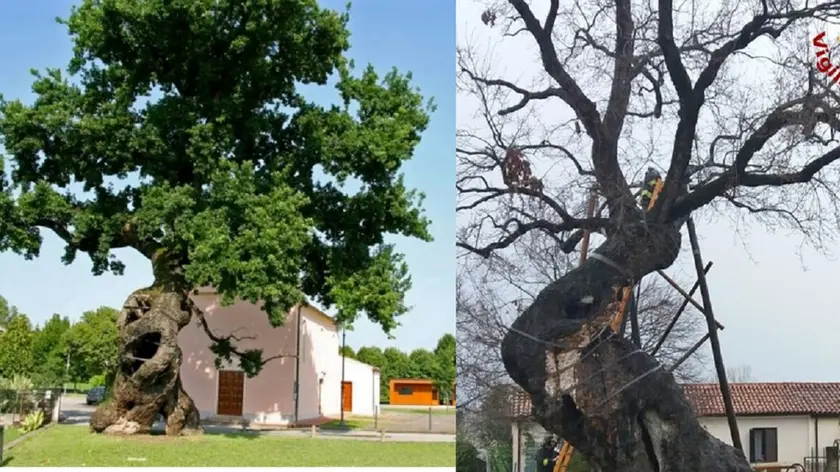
<point>415,392</point>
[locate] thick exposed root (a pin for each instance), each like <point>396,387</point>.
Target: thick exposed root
<point>614,403</point>
<point>147,384</point>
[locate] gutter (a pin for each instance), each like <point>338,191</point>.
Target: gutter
<point>296,391</point>
<point>816,436</point>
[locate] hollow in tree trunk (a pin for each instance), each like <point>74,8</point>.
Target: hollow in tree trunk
<point>147,383</point>
<point>612,401</point>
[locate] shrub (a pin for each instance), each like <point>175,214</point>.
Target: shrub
<point>97,380</point>
<point>16,395</point>
<point>466,459</point>
<point>32,422</point>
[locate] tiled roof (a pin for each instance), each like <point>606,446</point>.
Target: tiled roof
<point>761,398</point>
<point>520,405</point>
<point>754,398</point>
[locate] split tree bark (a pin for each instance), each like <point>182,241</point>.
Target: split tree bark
<point>147,383</point>
<point>613,402</point>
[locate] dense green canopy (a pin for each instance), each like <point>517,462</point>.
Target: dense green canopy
<point>177,130</point>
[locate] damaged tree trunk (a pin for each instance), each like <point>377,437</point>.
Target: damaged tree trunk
<point>147,383</point>
<point>612,401</point>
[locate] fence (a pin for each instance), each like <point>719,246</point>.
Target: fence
<point>827,463</point>
<point>15,405</point>
<point>815,464</point>
<point>407,420</point>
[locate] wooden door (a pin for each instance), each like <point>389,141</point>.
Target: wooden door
<point>347,396</point>
<point>230,394</point>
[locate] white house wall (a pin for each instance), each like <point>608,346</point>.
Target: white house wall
<point>795,433</point>
<point>365,381</point>
<point>320,369</point>
<point>828,431</point>
<point>268,397</point>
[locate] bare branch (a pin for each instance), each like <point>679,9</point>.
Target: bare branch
<point>198,314</point>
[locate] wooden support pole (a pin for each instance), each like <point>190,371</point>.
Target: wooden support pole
<point>677,287</point>
<point>635,335</point>
<point>713,337</point>
<point>689,353</point>
<point>685,294</point>
<point>590,212</point>
<point>679,313</point>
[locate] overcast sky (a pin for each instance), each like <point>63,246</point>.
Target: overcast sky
<point>777,300</point>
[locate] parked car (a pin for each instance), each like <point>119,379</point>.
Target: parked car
<point>95,395</point>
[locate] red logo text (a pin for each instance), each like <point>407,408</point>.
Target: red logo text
<point>824,64</point>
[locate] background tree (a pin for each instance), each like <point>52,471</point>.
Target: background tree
<point>467,459</point>
<point>421,364</point>
<point>659,86</point>
<point>49,350</point>
<point>16,353</point>
<point>6,311</point>
<point>738,373</point>
<point>371,355</point>
<point>93,343</point>
<point>228,176</point>
<point>397,366</point>
<point>437,365</point>
<point>346,351</point>
<point>445,373</point>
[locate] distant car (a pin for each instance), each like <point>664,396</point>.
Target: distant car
<point>95,395</point>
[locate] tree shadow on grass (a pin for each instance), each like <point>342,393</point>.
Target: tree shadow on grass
<point>211,430</point>
<point>233,434</point>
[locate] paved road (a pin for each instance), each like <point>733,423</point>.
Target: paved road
<point>75,411</point>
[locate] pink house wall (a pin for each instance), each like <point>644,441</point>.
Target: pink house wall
<point>269,396</point>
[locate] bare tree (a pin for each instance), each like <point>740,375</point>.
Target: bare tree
<point>739,373</point>
<point>625,86</point>
<point>492,291</point>
<point>481,324</point>
<point>511,280</point>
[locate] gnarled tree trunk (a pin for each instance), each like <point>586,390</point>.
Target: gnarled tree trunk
<point>614,403</point>
<point>147,383</point>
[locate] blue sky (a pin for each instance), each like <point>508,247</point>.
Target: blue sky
<point>413,36</point>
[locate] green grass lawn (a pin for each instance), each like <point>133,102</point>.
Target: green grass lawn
<point>10,433</point>
<point>78,387</point>
<point>74,446</point>
<point>348,423</point>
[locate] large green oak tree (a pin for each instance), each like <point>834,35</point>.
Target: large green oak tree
<point>178,130</point>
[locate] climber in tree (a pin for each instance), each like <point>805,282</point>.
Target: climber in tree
<point>181,121</point>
